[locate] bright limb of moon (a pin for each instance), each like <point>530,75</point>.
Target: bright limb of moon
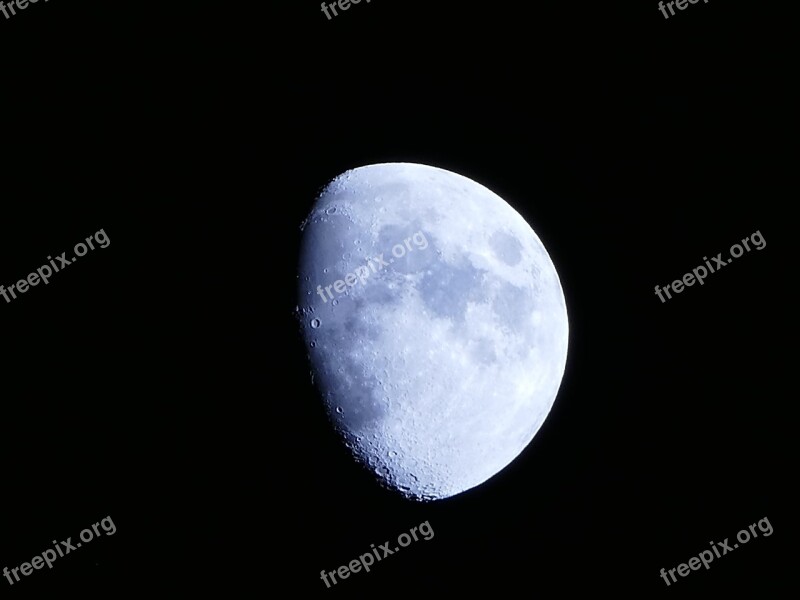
<point>439,362</point>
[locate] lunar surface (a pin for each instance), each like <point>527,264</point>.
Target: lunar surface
<point>435,325</point>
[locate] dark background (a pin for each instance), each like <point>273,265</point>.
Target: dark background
<point>162,382</point>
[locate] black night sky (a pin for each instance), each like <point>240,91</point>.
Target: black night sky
<point>162,381</point>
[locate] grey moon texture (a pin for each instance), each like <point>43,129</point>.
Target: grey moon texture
<point>435,325</point>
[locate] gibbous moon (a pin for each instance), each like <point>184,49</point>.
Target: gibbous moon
<point>435,325</point>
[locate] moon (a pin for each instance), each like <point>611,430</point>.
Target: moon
<point>435,325</point>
